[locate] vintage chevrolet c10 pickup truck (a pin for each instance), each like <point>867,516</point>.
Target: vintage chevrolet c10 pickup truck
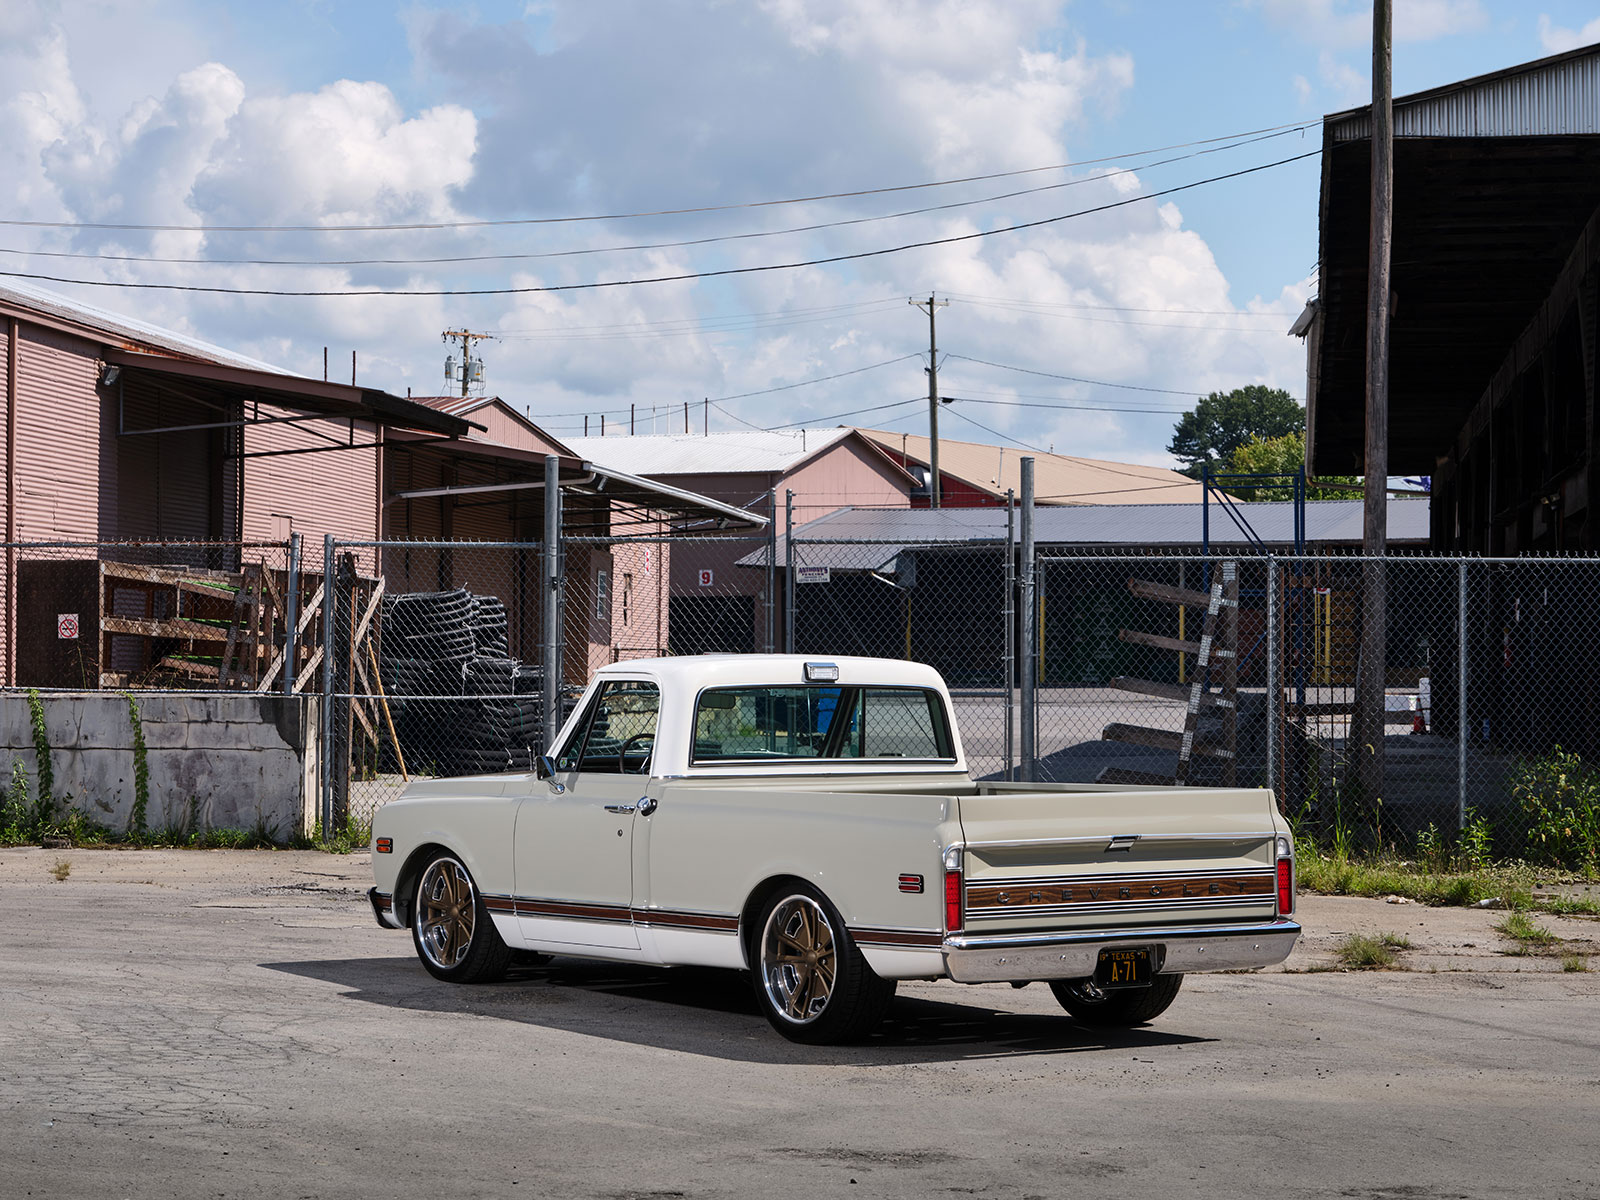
<point>813,822</point>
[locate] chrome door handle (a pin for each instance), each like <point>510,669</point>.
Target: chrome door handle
<point>619,808</point>
<point>646,805</point>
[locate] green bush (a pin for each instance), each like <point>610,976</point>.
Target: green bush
<point>1560,793</point>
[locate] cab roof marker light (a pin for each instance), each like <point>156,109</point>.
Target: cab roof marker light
<point>822,672</point>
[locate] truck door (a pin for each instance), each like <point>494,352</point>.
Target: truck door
<point>574,835</point>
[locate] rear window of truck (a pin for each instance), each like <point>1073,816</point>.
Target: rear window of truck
<point>809,722</point>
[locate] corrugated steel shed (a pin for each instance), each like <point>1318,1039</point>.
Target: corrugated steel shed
<point>1175,527</point>
<point>747,450</point>
<point>1494,179</point>
<point>1553,96</point>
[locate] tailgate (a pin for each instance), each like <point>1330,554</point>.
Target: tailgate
<point>1042,858</point>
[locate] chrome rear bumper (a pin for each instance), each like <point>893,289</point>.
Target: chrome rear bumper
<point>1180,949</point>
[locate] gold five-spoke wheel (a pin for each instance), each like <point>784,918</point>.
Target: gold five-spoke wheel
<point>799,959</point>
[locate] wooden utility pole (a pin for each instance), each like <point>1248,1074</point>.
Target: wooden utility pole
<point>1366,741</point>
<point>931,306</point>
<point>466,337</point>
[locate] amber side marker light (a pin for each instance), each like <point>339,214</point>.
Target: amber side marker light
<point>385,846</point>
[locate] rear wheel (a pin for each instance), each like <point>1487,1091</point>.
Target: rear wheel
<point>811,981</point>
<point>1117,1007</point>
<point>454,935</point>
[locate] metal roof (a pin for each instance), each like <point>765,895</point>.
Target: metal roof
<point>1058,478</point>
<point>752,451</point>
<point>127,329</point>
<point>1548,97</point>
<point>865,539</point>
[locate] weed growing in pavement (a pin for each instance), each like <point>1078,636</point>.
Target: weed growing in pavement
<point>61,870</point>
<point>1363,953</point>
<point>14,816</point>
<point>1574,962</point>
<point>1561,795</point>
<point>348,835</point>
<point>1526,934</point>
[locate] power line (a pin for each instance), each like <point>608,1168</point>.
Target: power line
<point>1164,412</point>
<point>1018,302</point>
<point>680,277</point>
<point>1270,130</point>
<point>713,239</point>
<point>1131,387</point>
<point>1097,464</point>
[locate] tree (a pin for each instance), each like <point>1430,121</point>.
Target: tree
<point>1282,456</point>
<point>1224,421</point>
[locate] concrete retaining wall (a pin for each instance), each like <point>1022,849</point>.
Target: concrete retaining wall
<point>217,760</point>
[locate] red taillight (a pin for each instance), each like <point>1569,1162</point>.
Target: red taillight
<point>952,900</point>
<point>1285,886</point>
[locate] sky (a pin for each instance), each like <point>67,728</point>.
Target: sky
<point>669,202</point>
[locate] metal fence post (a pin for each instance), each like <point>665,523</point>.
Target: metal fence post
<point>552,596</point>
<point>329,616</point>
<point>788,572</point>
<point>1274,684</point>
<point>1029,626</point>
<point>1461,695</point>
<point>772,569</point>
<point>1010,617</point>
<point>291,617</point>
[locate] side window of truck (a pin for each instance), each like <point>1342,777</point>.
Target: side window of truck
<point>617,732</point>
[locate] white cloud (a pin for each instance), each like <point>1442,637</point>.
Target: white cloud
<point>1555,38</point>
<point>1342,25</point>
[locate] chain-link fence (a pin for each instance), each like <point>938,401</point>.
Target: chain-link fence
<point>445,658</point>
<point>170,616</point>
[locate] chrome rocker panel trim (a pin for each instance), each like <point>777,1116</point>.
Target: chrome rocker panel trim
<point>1182,949</point>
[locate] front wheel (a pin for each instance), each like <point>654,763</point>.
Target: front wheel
<point>811,981</point>
<point>1118,1008</point>
<point>453,932</point>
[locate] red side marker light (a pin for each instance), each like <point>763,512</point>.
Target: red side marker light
<point>911,883</point>
<point>385,846</point>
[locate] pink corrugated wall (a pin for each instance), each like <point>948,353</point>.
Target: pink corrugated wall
<point>331,491</point>
<point>59,414</point>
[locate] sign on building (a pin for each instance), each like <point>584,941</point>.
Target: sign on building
<point>707,577</point>
<point>67,626</point>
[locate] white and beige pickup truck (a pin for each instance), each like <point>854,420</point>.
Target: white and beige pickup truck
<point>813,822</point>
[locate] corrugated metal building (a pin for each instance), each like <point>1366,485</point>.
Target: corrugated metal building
<point>1492,355</point>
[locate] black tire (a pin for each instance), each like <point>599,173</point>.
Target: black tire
<point>1119,1008</point>
<point>454,935</point>
<point>812,983</point>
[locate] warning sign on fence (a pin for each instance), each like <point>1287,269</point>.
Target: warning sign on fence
<point>67,626</point>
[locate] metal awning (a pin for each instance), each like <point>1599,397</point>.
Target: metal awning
<point>642,500</point>
<point>310,397</point>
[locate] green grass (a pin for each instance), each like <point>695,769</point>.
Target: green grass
<point>1527,935</point>
<point>1512,884</point>
<point>1574,962</point>
<point>1361,952</point>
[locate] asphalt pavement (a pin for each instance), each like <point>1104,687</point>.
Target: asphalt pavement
<point>233,1024</point>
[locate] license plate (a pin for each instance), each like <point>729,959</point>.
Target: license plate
<point>1124,968</point>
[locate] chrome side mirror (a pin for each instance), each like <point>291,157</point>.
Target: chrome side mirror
<point>544,767</point>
